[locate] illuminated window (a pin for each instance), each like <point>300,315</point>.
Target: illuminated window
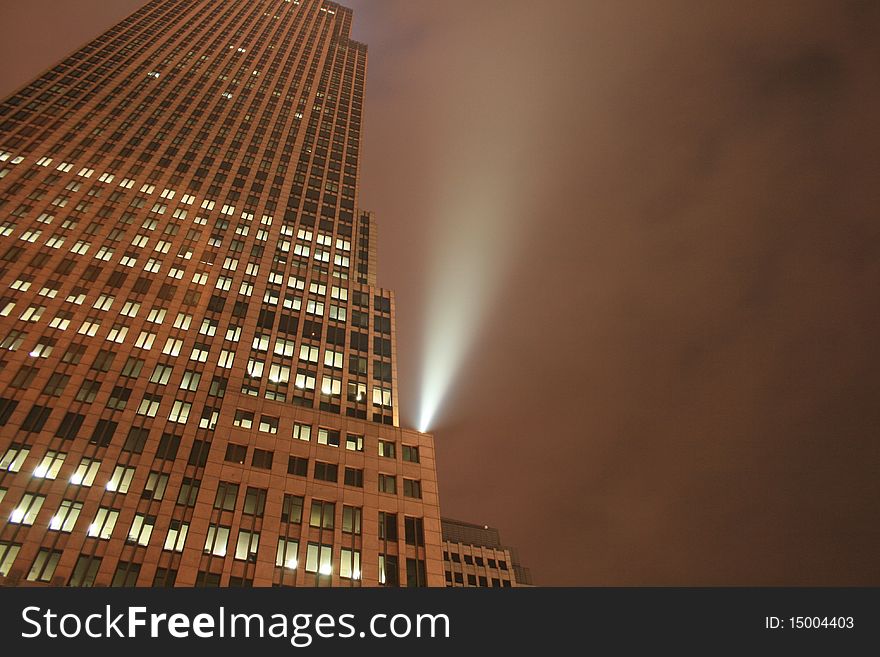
<point>145,340</point>
<point>141,529</point>
<point>121,479</point>
<point>190,380</point>
<point>333,358</point>
<point>85,473</point>
<point>28,508</point>
<point>328,437</point>
<point>66,516</point>
<point>286,554</point>
<point>226,358</point>
<point>382,397</point>
<point>305,381</point>
<point>308,353</point>
<point>50,465</point>
<point>8,552</point>
<point>386,449</point>
<point>246,546</point>
<point>268,424</point>
<point>349,564</point>
<point>243,419</point>
<point>14,457</point>
<point>172,347</point>
<point>357,392</point>
<point>155,487</point>
<point>217,539</point>
<point>176,537</point>
<point>318,559</point>
<point>331,386</point>
<point>149,405</point>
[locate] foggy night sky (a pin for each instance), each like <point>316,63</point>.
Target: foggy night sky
<point>674,373</point>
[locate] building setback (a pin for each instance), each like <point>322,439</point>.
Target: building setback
<point>198,375</point>
<point>473,555</point>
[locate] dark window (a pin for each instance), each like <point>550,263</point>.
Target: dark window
<point>70,425</point>
<point>381,346</point>
<point>227,493</point>
<point>388,526</point>
<point>298,465</point>
<point>126,574</point>
<point>291,509</point>
<point>85,570</point>
<point>414,529</point>
<point>415,572</point>
<point>387,484</point>
<point>136,439</point>
<point>410,453</point>
<point>74,354</point>
<point>119,397</point>
<point>206,579</point>
<point>262,459</point>
<point>412,488</point>
<point>382,304</point>
<point>336,335</point>
<point>24,377</point>
<point>88,391</point>
<point>36,418</point>
<point>236,453</point>
<point>7,406</point>
<point>326,471</point>
<point>189,491</point>
<point>132,367</point>
<point>168,446</point>
<point>198,455</point>
<point>354,477</point>
<point>102,436</point>
<point>254,502</point>
<point>165,577</point>
<point>56,384</point>
<point>103,361</point>
<point>391,569</point>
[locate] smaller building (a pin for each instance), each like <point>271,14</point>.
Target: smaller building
<point>473,555</point>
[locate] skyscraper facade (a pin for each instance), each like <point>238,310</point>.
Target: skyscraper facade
<point>198,377</point>
<point>474,555</point>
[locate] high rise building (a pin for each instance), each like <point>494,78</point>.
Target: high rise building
<point>198,376</point>
<point>474,555</point>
